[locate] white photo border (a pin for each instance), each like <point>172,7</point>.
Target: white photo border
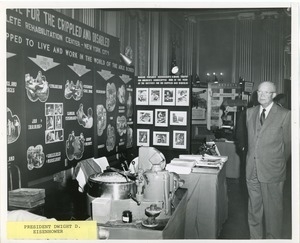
<point>158,101</point>
<point>155,141</point>
<point>164,101</point>
<point>182,115</point>
<point>142,100</point>
<point>186,101</point>
<point>176,143</point>
<point>141,142</point>
<point>139,117</point>
<point>161,124</point>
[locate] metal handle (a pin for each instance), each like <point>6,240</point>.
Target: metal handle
<point>134,199</point>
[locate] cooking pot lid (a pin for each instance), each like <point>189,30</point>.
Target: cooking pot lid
<point>108,177</point>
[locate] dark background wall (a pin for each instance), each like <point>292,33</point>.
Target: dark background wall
<point>216,40</point>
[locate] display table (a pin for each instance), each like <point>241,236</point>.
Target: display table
<point>233,164</point>
<point>172,228</point>
<point>207,203</point>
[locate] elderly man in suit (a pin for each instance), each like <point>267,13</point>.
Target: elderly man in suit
<point>269,148</point>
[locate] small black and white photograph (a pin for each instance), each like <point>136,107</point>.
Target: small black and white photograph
<point>161,138</point>
<point>182,96</point>
<point>155,96</point>
<point>168,96</point>
<point>142,97</point>
<point>178,118</point>
<point>50,122</point>
<point>58,122</point>
<point>49,109</point>
<point>58,109</point>
<point>179,139</point>
<point>143,137</point>
<point>161,117</point>
<point>145,117</point>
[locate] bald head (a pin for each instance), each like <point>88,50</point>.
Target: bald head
<point>268,84</point>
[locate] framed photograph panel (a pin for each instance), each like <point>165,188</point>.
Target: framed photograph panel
<point>143,137</point>
<point>161,117</point>
<point>161,138</point>
<point>144,117</point>
<point>178,118</point>
<point>182,96</point>
<point>168,96</point>
<point>155,96</point>
<point>142,96</point>
<point>179,139</point>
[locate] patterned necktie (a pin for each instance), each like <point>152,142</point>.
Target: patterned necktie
<point>263,117</point>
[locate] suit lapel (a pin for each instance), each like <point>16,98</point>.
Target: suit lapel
<point>271,116</point>
<point>256,121</point>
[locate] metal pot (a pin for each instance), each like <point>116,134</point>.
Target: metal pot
<point>110,185</point>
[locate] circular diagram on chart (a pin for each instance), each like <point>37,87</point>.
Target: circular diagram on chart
<point>13,127</point>
<point>101,119</point>
<point>35,157</point>
<point>37,88</point>
<point>111,138</point>
<point>72,90</point>
<point>75,146</point>
<point>121,94</point>
<point>111,96</point>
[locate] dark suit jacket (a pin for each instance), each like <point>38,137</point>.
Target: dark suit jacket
<point>268,145</point>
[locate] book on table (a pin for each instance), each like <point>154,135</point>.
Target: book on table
<point>26,197</point>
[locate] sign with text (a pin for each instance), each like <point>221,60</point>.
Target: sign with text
<point>163,113</point>
<point>60,30</point>
<point>60,73</point>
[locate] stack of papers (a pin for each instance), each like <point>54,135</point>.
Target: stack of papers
<point>181,166</point>
<point>206,160</point>
<point>26,197</point>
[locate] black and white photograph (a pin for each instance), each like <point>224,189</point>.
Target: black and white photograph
<point>178,118</point>
<point>161,117</point>
<point>168,96</point>
<point>155,96</point>
<point>143,137</point>
<point>179,139</point>
<point>161,138</point>
<point>150,120</point>
<point>182,96</point>
<point>144,117</point>
<point>142,97</point>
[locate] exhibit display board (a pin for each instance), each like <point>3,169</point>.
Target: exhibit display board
<point>68,95</point>
<point>163,113</point>
<point>114,109</point>
<point>217,115</point>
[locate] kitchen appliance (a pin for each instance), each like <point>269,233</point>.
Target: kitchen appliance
<point>153,186</point>
<point>152,212</point>
<point>110,185</point>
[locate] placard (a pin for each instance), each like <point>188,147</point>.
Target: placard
<point>69,97</point>
<point>163,106</point>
